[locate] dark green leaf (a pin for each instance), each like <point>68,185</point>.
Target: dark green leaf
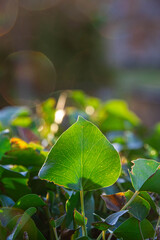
<point>139,208</point>
<point>25,157</point>
<point>130,229</point>
<point>72,203</point>
<point>148,198</point>
<point>5,145</point>
<point>79,218</point>
<point>102,226</point>
<point>151,184</point>
<point>29,200</point>
<point>142,170</point>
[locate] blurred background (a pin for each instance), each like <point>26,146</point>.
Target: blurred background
<point>109,49</point>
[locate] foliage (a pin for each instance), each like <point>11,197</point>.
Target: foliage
<point>84,171</point>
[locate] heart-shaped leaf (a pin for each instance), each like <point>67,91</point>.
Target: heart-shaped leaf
<point>142,170</point>
<point>82,159</point>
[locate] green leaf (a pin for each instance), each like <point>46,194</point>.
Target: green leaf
<point>28,228</point>
<point>139,208</point>
<point>7,114</point>
<point>3,232</point>
<point>5,145</point>
<point>58,222</point>
<point>24,219</point>
<point>26,157</point>
<point>89,206</point>
<point>102,226</point>
<point>82,159</point>
<point>130,229</point>
<point>142,170</point>
<point>148,198</point>
<point>72,203</point>
<point>14,183</point>
<point>79,218</point>
<point>29,200</point>
<point>151,184</point>
<point>6,214</point>
<point>22,121</point>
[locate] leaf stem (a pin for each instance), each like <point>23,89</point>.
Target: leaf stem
<point>124,207</point>
<point>99,237</point>
<point>103,235</point>
<point>158,222</point>
<point>130,201</point>
<point>139,224</point>
<point>55,233</point>
<point>84,230</point>
<point>110,236</point>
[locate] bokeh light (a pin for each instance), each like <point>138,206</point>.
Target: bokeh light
<point>37,5</point>
<point>29,77</point>
<point>8,15</point>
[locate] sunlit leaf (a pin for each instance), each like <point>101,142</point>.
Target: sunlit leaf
<point>82,158</point>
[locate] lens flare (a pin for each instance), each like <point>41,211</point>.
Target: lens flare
<point>29,77</point>
<point>8,15</point>
<point>37,5</point>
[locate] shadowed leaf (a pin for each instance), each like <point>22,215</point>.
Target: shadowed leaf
<point>142,170</point>
<point>130,229</point>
